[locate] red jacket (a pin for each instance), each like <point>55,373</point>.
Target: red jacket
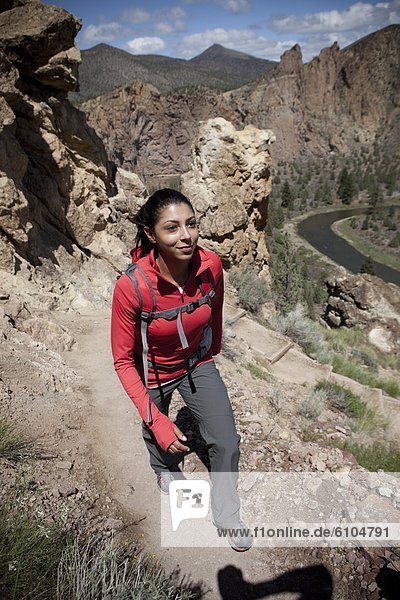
<point>163,339</point>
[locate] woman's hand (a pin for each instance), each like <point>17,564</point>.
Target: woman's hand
<point>176,446</point>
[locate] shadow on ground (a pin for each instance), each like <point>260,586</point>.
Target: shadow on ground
<point>311,583</point>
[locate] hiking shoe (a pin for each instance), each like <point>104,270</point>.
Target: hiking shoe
<point>241,538</point>
<point>164,479</point>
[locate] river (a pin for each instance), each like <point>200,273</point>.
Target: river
<point>317,231</point>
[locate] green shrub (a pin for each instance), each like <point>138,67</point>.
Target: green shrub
<point>366,358</point>
<point>29,557</point>
<point>376,456</point>
<point>12,447</point>
<point>252,290</point>
<point>94,569</point>
<point>38,562</point>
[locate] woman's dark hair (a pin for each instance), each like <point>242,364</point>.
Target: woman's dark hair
<point>149,214</point>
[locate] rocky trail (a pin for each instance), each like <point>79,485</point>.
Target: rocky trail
<point>107,444</point>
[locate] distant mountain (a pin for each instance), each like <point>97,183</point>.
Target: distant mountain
<point>342,101</point>
<point>231,64</point>
<point>104,68</point>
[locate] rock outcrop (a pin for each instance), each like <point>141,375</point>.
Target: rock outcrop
<point>57,216</point>
<point>146,132</point>
<point>338,99</point>
<point>367,302</point>
<point>229,185</point>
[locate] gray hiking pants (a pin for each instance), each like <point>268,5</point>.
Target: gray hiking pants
<point>204,392</point>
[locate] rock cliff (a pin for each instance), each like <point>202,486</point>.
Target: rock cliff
<point>229,184</point>
<point>149,133</point>
<point>66,214</point>
<point>338,100</point>
<point>56,183</point>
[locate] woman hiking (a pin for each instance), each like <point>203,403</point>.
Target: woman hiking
<point>166,326</point>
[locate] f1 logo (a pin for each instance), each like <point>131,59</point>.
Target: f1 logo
<point>189,499</point>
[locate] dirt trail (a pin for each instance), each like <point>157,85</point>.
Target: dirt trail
<point>110,429</point>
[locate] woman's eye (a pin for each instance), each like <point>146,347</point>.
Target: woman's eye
<point>192,225</point>
<point>171,228</point>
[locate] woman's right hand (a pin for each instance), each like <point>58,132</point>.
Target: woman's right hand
<point>176,446</point>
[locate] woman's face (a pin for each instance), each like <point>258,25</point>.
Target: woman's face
<point>175,232</point>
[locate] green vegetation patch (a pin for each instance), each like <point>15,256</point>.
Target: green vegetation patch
<point>365,418</point>
<point>351,367</point>
<point>343,338</point>
<point>12,448</point>
<point>29,558</point>
<point>258,372</point>
<point>37,562</point>
<point>376,456</point>
<point>95,569</point>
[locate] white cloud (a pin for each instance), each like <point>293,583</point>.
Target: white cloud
<point>244,40</point>
<point>106,32</point>
<point>135,16</point>
<point>235,6</point>
<point>146,45</point>
<point>165,28</point>
<point>357,16</point>
<point>175,12</point>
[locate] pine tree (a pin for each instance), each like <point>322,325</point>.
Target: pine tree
<point>286,195</point>
<point>346,188</point>
<point>368,266</point>
<point>285,273</point>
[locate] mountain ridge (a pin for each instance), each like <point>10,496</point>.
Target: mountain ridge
<point>105,68</point>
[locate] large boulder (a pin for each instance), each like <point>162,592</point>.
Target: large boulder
<point>367,302</point>
<point>229,185</point>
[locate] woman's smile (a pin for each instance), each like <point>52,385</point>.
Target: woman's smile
<point>175,233</point>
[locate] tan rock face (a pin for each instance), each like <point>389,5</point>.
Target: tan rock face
<point>229,185</point>
<point>58,238</point>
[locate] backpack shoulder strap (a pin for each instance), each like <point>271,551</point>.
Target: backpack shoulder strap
<point>147,298</point>
<point>145,293</point>
<point>207,278</point>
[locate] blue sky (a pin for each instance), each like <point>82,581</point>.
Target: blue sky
<point>184,28</point>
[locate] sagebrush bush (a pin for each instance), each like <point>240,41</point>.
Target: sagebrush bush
<point>275,398</point>
<point>312,406</point>
<point>95,569</point>
<point>298,327</point>
<point>252,290</point>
